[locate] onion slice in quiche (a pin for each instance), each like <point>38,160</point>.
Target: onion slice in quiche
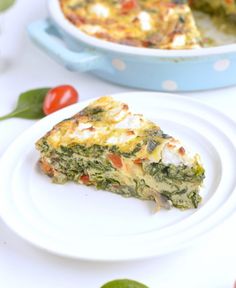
<point>110,148</point>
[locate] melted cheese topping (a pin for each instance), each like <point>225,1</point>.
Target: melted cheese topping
<point>179,40</point>
<point>92,29</point>
<point>174,153</point>
<point>120,139</point>
<point>130,122</point>
<point>99,10</point>
<point>145,20</point>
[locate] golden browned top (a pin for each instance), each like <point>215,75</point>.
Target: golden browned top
<point>163,24</point>
<point>109,123</point>
<point>104,122</point>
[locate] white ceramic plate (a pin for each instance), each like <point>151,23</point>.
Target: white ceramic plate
<point>78,221</point>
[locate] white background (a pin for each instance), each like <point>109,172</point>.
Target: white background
<point>209,263</point>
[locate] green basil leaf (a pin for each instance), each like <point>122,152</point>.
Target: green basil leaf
<point>124,283</point>
<point>5,4</point>
<point>29,105</point>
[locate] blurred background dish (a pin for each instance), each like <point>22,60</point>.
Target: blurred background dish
<point>157,24</point>
<point>145,68</point>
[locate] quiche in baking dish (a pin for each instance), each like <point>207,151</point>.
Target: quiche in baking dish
<point>163,24</point>
<point>107,146</point>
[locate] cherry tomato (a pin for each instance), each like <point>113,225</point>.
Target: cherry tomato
<point>59,97</point>
<point>115,160</point>
<point>127,5</point>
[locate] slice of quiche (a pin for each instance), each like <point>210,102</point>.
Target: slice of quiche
<point>164,24</point>
<point>107,146</point>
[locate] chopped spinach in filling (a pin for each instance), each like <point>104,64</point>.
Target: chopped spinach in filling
<point>178,173</point>
<point>177,184</point>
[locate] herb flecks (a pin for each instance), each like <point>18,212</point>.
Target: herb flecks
<point>94,113</point>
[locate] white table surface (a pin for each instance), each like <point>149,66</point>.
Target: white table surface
<point>210,263</point>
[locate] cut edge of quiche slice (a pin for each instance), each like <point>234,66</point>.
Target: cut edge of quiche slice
<point>110,148</point>
<point>225,8</point>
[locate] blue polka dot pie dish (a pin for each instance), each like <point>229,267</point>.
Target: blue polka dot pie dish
<point>144,68</point>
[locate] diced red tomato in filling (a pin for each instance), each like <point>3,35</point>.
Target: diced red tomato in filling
<point>45,166</point>
<point>85,179</point>
<point>115,160</point>
<point>127,5</point>
<point>181,151</point>
<point>138,161</point>
<point>229,1</point>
